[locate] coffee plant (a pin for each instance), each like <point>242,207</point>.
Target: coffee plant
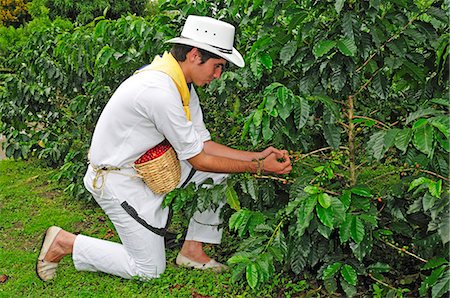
<point>357,91</point>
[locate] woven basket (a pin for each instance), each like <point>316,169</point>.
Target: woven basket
<point>161,174</point>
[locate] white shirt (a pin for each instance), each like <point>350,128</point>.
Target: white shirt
<point>145,109</point>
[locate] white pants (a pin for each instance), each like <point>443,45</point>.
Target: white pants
<point>141,253</point>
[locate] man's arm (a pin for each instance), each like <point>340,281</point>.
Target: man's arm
<point>213,148</point>
<point>236,161</point>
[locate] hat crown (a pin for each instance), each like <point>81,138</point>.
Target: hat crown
<point>209,31</point>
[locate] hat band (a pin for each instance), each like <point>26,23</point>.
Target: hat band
<point>226,51</point>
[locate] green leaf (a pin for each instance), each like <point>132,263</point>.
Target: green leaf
<point>347,25</point>
<point>338,5</point>
<point>435,188</point>
<point>347,47</point>
<point>423,139</point>
<point>248,186</point>
<point>288,51</point>
<point>256,67</point>
<point>361,191</point>
<point>323,47</point>
<point>357,229</point>
<point>442,123</point>
<point>265,265</point>
<point>283,95</point>
<point>325,215</point>
<point>379,85</point>
<point>271,101</point>
<point>331,270</point>
<point>305,214</point>
<point>241,257</point>
<point>332,135</point>
<point>344,229</point>
<point>431,280</point>
<point>444,229</point>
<point>445,143</point>
<point>252,275</point>
<point>319,169</point>
<point>389,138</point>
<point>324,230</point>
<point>338,209</point>
<point>375,145</point>
<point>434,263</point>
<point>428,201</point>
<point>419,123</point>
<point>403,138</point>
<point>338,78</point>
<point>257,117</point>
<point>350,291</point>
<point>103,56</point>
<point>442,286</point>
<point>301,111</point>
<point>232,198</point>
<point>379,267</point>
<point>239,221</point>
<point>266,60</point>
<point>346,198</point>
<point>438,14</point>
<point>266,130</point>
<point>420,113</point>
<point>418,73</point>
<point>324,200</point>
<point>349,274</point>
<point>441,101</point>
<point>311,190</point>
<point>419,181</point>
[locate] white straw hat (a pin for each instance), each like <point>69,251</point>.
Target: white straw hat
<point>212,35</point>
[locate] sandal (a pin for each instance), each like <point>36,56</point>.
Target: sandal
<point>212,264</point>
<point>47,270</point>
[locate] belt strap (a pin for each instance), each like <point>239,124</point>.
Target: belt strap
<point>158,231</point>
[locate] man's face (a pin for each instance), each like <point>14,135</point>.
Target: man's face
<point>204,73</point>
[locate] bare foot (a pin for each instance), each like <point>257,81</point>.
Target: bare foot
<point>193,250</point>
<point>61,246</point>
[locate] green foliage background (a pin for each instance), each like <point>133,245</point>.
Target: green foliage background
<point>360,85</point>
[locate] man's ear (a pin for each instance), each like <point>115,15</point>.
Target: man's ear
<point>193,55</point>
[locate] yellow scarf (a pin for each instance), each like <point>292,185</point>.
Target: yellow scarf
<point>168,65</point>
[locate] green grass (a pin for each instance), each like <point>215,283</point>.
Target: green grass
<point>30,203</point>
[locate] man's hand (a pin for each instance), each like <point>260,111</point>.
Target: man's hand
<point>277,163</point>
<point>269,150</point>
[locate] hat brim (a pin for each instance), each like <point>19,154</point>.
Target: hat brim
<point>235,57</point>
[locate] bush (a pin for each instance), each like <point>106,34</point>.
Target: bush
<point>13,12</point>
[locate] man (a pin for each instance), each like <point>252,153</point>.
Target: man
<point>157,103</point>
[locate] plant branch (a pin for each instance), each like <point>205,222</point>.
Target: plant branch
<point>371,119</point>
<point>405,251</point>
<point>409,170</point>
<point>275,232</point>
<point>367,83</point>
<point>344,125</point>
<point>329,192</point>
<point>435,174</point>
<point>382,282</point>
<point>284,181</point>
<point>300,155</point>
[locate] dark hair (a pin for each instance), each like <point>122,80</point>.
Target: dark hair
<point>179,52</point>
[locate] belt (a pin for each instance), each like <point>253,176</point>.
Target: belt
<point>158,231</point>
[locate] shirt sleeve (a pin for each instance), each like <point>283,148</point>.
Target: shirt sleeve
<point>162,105</point>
